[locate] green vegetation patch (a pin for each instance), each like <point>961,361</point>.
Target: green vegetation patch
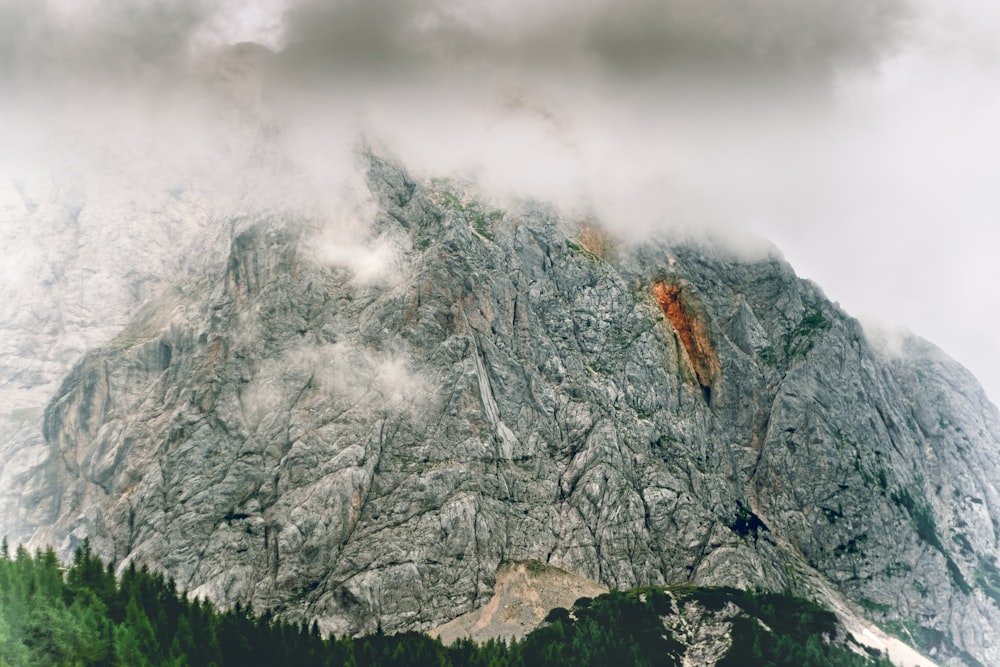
<point>832,515</point>
<point>872,606</point>
<point>962,540</point>
<point>768,356</point>
<point>627,627</point>
<point>618,628</point>
<point>922,518</point>
<point>800,340</point>
<point>798,631</point>
<point>480,220</point>
<point>82,615</point>
<point>579,249</point>
<point>988,579</point>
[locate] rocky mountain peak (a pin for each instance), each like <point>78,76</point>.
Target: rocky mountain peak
<point>368,452</point>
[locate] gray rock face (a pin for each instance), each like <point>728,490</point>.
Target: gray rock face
<point>516,388</point>
<point>77,258</point>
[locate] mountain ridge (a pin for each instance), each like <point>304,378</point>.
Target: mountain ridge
<point>279,433</point>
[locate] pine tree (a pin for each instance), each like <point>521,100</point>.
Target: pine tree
<point>139,635</point>
<point>12,650</point>
<point>128,648</point>
<point>183,644</point>
<point>88,572</point>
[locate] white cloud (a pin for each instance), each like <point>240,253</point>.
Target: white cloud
<point>862,137</point>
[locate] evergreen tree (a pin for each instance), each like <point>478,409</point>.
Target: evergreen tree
<point>90,619</point>
<point>87,572</point>
<point>140,636</point>
<point>128,648</point>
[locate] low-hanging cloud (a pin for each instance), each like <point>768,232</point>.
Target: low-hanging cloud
<point>112,37</point>
<point>56,42</point>
<point>532,99</point>
<point>838,128</point>
<point>337,378</point>
<point>629,38</point>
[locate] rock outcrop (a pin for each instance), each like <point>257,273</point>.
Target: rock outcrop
<point>369,452</point>
<point>77,260</point>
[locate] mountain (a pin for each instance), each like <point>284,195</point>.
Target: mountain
<point>367,447</point>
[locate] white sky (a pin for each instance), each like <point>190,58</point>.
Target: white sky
<point>919,246</point>
<point>861,137</point>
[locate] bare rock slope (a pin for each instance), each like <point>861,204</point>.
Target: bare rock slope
<point>280,433</point>
<point>523,595</point>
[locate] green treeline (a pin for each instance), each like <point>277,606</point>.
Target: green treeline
<point>52,616</point>
<point>627,628</point>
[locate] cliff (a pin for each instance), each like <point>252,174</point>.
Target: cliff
<point>367,452</point>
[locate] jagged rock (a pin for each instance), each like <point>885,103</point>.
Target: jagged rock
<point>366,453</point>
<point>77,259</point>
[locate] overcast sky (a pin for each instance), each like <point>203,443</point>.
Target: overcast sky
<point>862,137</point>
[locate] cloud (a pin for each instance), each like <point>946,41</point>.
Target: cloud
<point>74,44</point>
<point>122,40</point>
<point>684,99</point>
<point>336,378</point>
<point>629,38</point>
<point>840,129</point>
<point>532,99</point>
<point>809,38</point>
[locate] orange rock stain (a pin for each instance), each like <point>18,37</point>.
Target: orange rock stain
<point>692,331</point>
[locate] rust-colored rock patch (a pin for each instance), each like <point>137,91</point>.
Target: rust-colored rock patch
<point>692,331</point>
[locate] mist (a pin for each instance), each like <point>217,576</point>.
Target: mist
<point>860,137</point>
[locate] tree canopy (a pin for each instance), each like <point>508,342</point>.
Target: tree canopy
<point>82,615</point>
